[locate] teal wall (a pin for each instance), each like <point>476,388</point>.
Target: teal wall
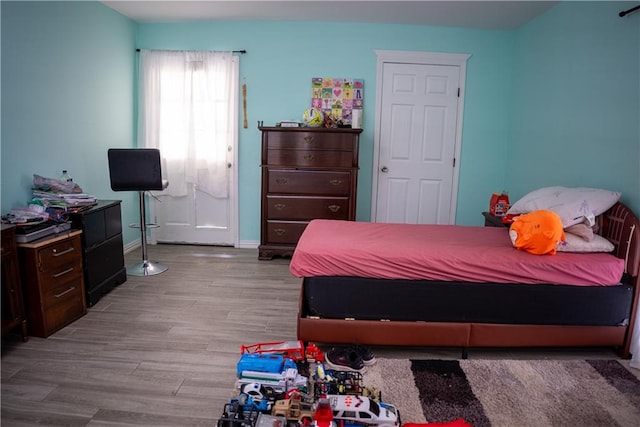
<point>67,90</point>
<point>577,101</point>
<point>552,103</point>
<point>283,57</point>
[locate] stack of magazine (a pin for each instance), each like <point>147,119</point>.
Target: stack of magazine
<point>64,200</point>
<point>61,196</point>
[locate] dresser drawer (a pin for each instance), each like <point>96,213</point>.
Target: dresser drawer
<point>284,232</point>
<point>291,181</point>
<point>59,254</point>
<point>310,140</point>
<point>62,293</point>
<point>306,208</point>
<point>310,158</point>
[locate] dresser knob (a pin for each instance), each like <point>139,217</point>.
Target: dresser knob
<point>308,139</point>
<point>335,182</point>
<point>279,231</point>
<point>279,206</point>
<point>334,208</point>
<point>281,181</point>
<point>309,157</point>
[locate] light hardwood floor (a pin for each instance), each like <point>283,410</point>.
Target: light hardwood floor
<point>162,350</point>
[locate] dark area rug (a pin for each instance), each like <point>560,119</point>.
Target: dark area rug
<point>510,393</point>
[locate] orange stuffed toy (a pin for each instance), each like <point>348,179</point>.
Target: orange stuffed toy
<point>537,232</point>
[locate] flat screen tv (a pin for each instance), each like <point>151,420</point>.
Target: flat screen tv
<point>135,169</point>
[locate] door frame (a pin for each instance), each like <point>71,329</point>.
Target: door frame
<point>423,58</point>
<point>234,185</point>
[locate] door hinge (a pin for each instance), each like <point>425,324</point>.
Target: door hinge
<point>458,92</point>
<point>454,162</point>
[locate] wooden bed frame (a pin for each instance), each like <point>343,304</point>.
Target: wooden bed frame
<point>619,225</point>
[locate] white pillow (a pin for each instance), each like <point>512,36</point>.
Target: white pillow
<point>573,205</point>
<point>575,243</point>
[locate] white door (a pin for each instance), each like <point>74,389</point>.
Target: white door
<point>197,218</point>
<point>415,174</point>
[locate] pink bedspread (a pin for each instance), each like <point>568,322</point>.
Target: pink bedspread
<point>440,252</point>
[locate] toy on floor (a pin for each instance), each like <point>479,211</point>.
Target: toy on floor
<point>455,423</point>
<point>294,350</point>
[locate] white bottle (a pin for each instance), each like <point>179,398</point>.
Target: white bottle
<point>65,177</point>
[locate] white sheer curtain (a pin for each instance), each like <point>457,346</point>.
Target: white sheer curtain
<point>184,110</point>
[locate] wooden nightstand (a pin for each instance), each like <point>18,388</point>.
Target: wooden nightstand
<point>493,221</point>
<point>53,282</point>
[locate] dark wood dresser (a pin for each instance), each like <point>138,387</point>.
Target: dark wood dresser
<point>13,314</point>
<point>53,282</point>
<point>307,173</point>
<point>102,248</point>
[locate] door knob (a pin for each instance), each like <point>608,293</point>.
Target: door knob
<point>384,169</point>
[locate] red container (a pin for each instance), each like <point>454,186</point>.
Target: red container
<point>499,204</point>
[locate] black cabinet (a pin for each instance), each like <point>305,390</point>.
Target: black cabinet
<point>102,247</point>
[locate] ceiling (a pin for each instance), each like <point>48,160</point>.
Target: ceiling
<point>493,15</point>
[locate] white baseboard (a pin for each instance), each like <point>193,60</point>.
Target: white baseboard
<point>245,244</point>
<point>248,244</point>
<point>132,246</point>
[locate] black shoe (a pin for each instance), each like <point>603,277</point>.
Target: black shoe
<point>344,359</point>
<point>365,354</point>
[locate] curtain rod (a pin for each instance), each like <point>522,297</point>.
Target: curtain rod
<point>628,11</point>
<point>241,52</point>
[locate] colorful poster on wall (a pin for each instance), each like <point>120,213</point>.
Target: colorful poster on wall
<point>337,97</point>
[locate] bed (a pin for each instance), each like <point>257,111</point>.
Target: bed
<point>373,284</point>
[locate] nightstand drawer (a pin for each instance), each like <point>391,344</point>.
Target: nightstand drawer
<point>291,181</point>
<point>62,293</point>
<point>59,254</point>
<point>287,232</point>
<point>66,311</point>
<point>54,278</point>
<point>310,140</point>
<point>306,208</point>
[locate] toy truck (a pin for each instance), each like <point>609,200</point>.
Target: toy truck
<point>278,382</point>
<point>247,403</point>
<point>274,363</point>
<point>362,410</point>
<point>293,350</point>
<point>331,381</point>
<point>234,416</point>
<point>266,420</point>
<point>271,371</point>
<point>294,409</point>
